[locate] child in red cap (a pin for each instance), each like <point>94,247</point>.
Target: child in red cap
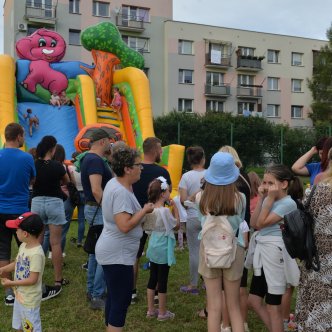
<point>29,267</point>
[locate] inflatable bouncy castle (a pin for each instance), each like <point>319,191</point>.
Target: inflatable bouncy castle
<point>71,98</point>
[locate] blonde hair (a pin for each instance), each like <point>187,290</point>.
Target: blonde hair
<point>219,200</point>
<point>232,151</point>
<point>328,176</point>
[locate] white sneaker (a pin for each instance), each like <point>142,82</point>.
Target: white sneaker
<point>50,255</point>
<point>246,327</point>
<point>225,329</point>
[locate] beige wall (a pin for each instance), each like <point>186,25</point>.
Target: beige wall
<point>261,42</point>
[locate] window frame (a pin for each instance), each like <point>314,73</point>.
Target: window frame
<point>247,51</point>
<point>297,63</point>
<point>182,105</point>
<point>127,10</point>
<point>295,108</point>
<point>275,56</point>
<point>75,6</point>
<point>276,109</point>
<point>294,80</point>
<point>245,104</point>
<point>271,87</point>
<point>210,78</point>
<point>73,31</point>
<point>250,80</point>
<point>181,49</point>
<point>182,76</point>
<point>130,39</point>
<point>214,103</point>
<point>96,10</point>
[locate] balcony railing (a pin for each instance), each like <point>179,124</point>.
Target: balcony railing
<point>217,90</point>
<point>250,91</point>
<point>248,62</point>
<point>221,62</point>
<point>130,22</point>
<point>40,11</point>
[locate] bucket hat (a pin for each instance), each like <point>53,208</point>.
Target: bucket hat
<point>222,170</point>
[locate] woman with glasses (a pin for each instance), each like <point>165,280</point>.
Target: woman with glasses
<point>118,243</point>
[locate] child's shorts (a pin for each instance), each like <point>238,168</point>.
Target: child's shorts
<point>26,319</point>
<point>233,273</point>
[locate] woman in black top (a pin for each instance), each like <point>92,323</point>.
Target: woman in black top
<point>47,199</point>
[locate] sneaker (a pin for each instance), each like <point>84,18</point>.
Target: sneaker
<point>9,299</point>
<point>153,314</point>
<point>188,290</point>
<point>85,266</point>
<point>134,298</point>
<point>79,245</point>
<point>156,299</point>
<point>166,316</point>
<point>246,327</point>
<point>97,303</point>
<point>50,292</point>
<point>225,329</point>
<point>50,255</point>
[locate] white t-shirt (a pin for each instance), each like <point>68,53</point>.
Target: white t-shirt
<point>114,246</point>
<point>191,182</point>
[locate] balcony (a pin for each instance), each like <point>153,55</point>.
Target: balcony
<point>223,61</point>
<point>249,91</point>
<point>130,23</point>
<point>40,13</point>
<point>223,90</point>
<point>249,62</point>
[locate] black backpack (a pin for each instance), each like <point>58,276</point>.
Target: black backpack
<point>298,235</point>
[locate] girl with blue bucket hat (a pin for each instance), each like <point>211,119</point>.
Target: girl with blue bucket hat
<point>221,198</point>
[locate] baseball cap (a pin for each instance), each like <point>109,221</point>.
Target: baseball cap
<point>29,222</point>
<point>222,170</point>
<point>99,134</point>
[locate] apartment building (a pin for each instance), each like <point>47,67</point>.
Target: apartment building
<point>191,67</point>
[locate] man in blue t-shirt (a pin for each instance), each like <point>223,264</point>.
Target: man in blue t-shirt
<point>17,171</point>
<point>95,173</point>
<point>152,155</point>
<point>304,168</point>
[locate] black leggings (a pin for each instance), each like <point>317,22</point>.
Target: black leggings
<point>158,275</point>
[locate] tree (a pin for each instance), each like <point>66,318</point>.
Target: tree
<point>321,83</point>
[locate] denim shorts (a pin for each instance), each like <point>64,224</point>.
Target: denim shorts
<point>50,209</point>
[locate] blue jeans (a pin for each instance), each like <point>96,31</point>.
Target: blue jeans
<point>96,285</point>
<point>69,210</point>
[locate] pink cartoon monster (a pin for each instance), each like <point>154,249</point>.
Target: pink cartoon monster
<point>42,48</point>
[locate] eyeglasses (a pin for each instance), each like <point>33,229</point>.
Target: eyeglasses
<point>139,165</point>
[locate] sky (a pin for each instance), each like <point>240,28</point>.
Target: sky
<point>303,18</point>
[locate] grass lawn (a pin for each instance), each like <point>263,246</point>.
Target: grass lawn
<point>69,312</point>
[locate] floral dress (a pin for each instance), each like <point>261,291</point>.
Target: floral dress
<point>314,296</point>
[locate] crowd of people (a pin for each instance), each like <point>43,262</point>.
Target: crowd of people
<point>130,195</point>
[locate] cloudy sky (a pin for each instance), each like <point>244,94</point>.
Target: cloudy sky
<point>304,18</point>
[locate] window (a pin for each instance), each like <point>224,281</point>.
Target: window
<point>245,51</point>
<point>245,106</point>
<point>136,43</point>
<point>272,111</point>
<point>101,8</point>
<point>185,47</point>
<point>46,7</point>
<point>185,105</point>
<point>273,83</point>
<point>213,78</point>
<point>296,112</point>
<point>296,85</point>
<point>186,76</point>
<point>214,106</point>
<point>245,80</point>
<point>74,6</point>
<point>74,37</point>
<point>297,59</point>
<point>219,53</point>
<point>136,13</point>
<point>273,56</point>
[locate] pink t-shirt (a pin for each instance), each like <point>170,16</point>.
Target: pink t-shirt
<point>253,203</point>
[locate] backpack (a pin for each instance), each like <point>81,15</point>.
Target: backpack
<point>74,195</point>
<point>219,242</point>
<point>297,233</point>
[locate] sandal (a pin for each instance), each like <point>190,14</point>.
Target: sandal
<point>202,313</point>
<point>62,282</point>
<point>188,290</point>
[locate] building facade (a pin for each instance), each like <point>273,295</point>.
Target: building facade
<point>191,67</point>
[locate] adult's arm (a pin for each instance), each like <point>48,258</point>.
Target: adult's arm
<point>126,221</point>
<point>97,191</point>
<point>299,167</point>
